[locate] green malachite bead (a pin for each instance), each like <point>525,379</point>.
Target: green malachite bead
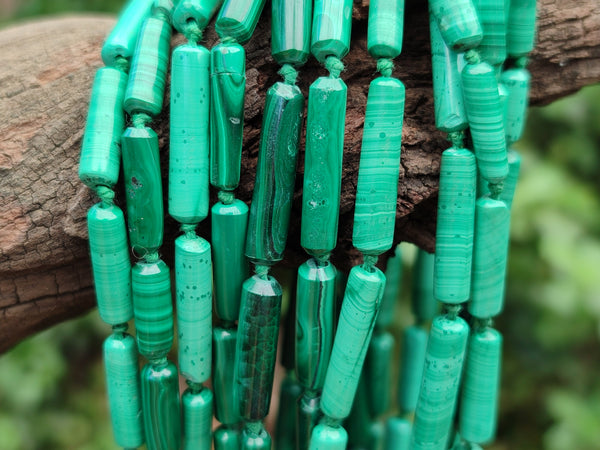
<point>492,16</point>
<point>224,344</point>
<point>441,381</point>
<point>238,18</point>
<point>424,306</point>
<point>458,23</point>
<point>227,438</point>
<point>189,139</point>
<point>377,188</point>
<point>199,11</point>
<point>357,320</point>
<point>520,37</point>
<point>161,409</point>
<point>455,222</point>
<point>197,408</point>
<point>110,263</point>
<point>327,437</point>
<point>517,83</point>
<point>479,398</point>
<point>258,330</point>
<point>143,189</point>
<point>325,122</point>
<point>122,384</point>
<point>332,24</point>
<point>122,39</point>
<point>285,433</point>
<point>378,372</point>
<point>163,9</point>
<point>307,416</point>
<point>101,150</point>
<point>193,287</point>
<point>358,423</point>
<point>252,440</point>
<point>414,347</point>
<point>391,293</point>
<point>490,253</point>
<point>228,88</point>
<point>510,184</point>
<point>290,31</point>
<point>386,26</point>
<point>397,434</point>
<point>315,322</point>
<point>151,286</point>
<point>275,174</point>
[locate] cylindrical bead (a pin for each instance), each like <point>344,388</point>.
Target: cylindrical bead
<point>517,83</point>
<point>199,11</point>
<point>424,305</point>
<point>226,438</point>
<point>379,372</point>
<point>100,150</point>
<point>252,440</point>
<point>521,27</point>
<point>197,409</point>
<point>332,24</point>
<point>397,434</point>
<point>510,184</point>
<point>307,416</point>
<point>458,23</point>
<point>290,31</point>
<point>164,9</point>
<point>357,318</point>
<point>385,28</point>
<point>238,18</point>
<point>285,432</point>
<point>492,16</point>
<point>224,344</point>
<point>325,122</point>
<point>414,347</point>
<point>327,437</point>
<point>391,293</point>
<point>377,188</point>
<point>275,174</point>
<point>358,423</point>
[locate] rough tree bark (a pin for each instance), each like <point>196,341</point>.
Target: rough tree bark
<point>46,72</point>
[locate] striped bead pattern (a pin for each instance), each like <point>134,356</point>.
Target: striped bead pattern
<point>238,19</point>
<point>493,15</point>
<point>458,23</point>
<point>385,28</point>
<point>332,23</point>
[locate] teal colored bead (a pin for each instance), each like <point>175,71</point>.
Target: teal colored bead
<point>147,76</point>
<point>378,371</point>
<point>121,41</point>
<point>480,387</point>
<point>199,11</point>
<point>490,254</point>
<point>100,158</point>
<point>227,438</point>
<point>424,305</point>
<point>327,437</point>
<point>151,286</point>
<point>377,188</point>
<point>143,189</point>
<point>285,432</point>
<point>441,381</point>
<point>189,141</point>
<point>252,440</point>
<point>385,29</point>
<point>358,424</point>
<point>163,9</point>
<point>315,322</point>
<point>517,83</point>
<point>332,24</point>
<point>458,23</point>
<point>492,16</point>
<point>355,326</point>
<point>521,27</point>
<point>224,344</point>
<point>258,330</point>
<point>228,88</point>
<point>414,347</point>
<point>161,409</point>
<point>197,408</point>
<point>122,384</point>
<point>111,267</point>
<point>455,222</point>
<point>397,434</point>
<point>510,184</point>
<point>325,122</point>
<point>290,31</point>
<point>238,18</point>
<point>275,174</point>
<point>307,416</point>
<point>391,293</point>
<point>193,287</point>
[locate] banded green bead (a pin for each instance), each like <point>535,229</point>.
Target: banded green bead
<point>307,416</point>
<point>227,438</point>
<point>161,409</point>
<point>151,287</point>
<point>492,15</point>
<point>143,189</point>
<point>391,293</point>
<point>480,387</point>
<point>122,384</point>
<point>441,381</point>
<point>521,27</point>
<point>455,223</point>
<point>377,188</point>
<point>355,326</point>
<point>397,434</point>
<point>385,28</point>
<point>378,372</point>
<point>328,437</point>
<point>323,165</point>
<point>199,11</point>
<point>147,76</point>
<point>238,18</point>
<point>224,344</point>
<point>458,23</point>
<point>414,348</point>
<point>197,409</point>
<point>332,24</point>
<point>255,439</point>
<point>285,432</point>
<point>290,31</point>
<point>111,267</point>
<point>188,139</point>
<point>424,306</point>
<point>275,174</point>
<point>490,254</point>
<point>228,88</point>
<point>517,83</point>
<point>101,150</point>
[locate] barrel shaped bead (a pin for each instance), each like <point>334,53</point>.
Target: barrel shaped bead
<point>517,84</point>
<point>458,23</point>
<point>226,438</point>
<point>332,24</point>
<point>397,434</point>
<point>414,348</point>
<point>391,293</point>
<point>378,371</point>
<point>521,27</point>
<point>238,19</point>
<point>424,305</point>
<point>197,410</point>
<point>327,437</point>
<point>290,31</point>
<point>224,344</point>
<point>199,11</point>
<point>385,28</point>
<point>493,17</point>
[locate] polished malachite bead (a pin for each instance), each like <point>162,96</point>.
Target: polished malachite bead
<point>285,433</point>
<point>224,344</point>
<point>492,15</point>
<point>358,424</point>
<point>521,27</point>
<point>227,438</point>
<point>332,24</point>
<point>143,189</point>
<point>378,372</point>
<point>328,437</point>
<point>122,384</point>
<point>163,9</point>
<point>424,305</point>
<point>455,222</point>
<point>290,31</point>
<point>480,386</point>
<point>151,287</point>
<point>188,139</point>
<point>275,174</point>
<point>490,254</point>
<point>458,23</point>
<point>391,293</point>
<point>228,87</point>
<point>377,188</point>
<point>111,267</point>
<point>197,410</point>
<point>161,409</point>
<point>255,438</point>
<point>414,347</point>
<point>199,11</point>
<point>517,83</point>
<point>386,26</point>
<point>397,434</point>
<point>238,18</point>
<point>307,416</point>
<point>323,165</point>
<point>100,149</point>
<point>357,320</point>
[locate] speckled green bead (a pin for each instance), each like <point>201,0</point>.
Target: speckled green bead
<point>397,434</point>
<point>458,23</point>
<point>492,15</point>
<point>147,76</point>
<point>197,410</point>
<point>290,31</point>
<point>100,158</point>
<point>323,165</point>
<point>327,437</point>
<point>226,438</point>
<point>332,24</point>
<point>414,347</point>
<point>199,11</point>
<point>385,29</point>
<point>521,27</point>
<point>307,416</point>
<point>391,293</point>
<point>224,344</point>
<point>517,83</point>
<point>377,188</point>
<point>122,384</point>
<point>378,372</point>
<point>238,18</point>
<point>188,138</point>
<point>424,305</point>
<point>289,393</point>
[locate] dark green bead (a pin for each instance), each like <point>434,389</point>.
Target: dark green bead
<point>197,408</point>
<point>358,423</point>
<point>224,344</point>
<point>397,434</point>
<point>378,372</point>
<point>252,440</point>
<point>520,36</point>
<point>226,438</point>
<point>492,16</point>
<point>275,174</point>
<point>332,24</point>
<point>386,26</point>
<point>290,31</point>
<point>199,11</point>
<point>391,293</point>
<point>307,416</point>
<point>327,437</point>
<point>458,23</point>
<point>414,347</point>
<point>424,306</point>
<point>517,84</point>
<point>238,18</point>
<point>285,432</point>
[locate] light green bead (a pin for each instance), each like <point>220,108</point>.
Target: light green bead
<point>199,11</point>
<point>391,293</point>
<point>414,347</point>
<point>227,438</point>
<point>458,23</point>
<point>424,305</point>
<point>386,26</point>
<point>238,18</point>
<point>285,432</point>
<point>332,24</point>
<point>517,83</point>
<point>308,414</point>
<point>492,15</point>
<point>197,419</point>
<point>378,372</point>
<point>224,344</point>
<point>521,27</point>
<point>397,434</point>
<point>255,440</point>
<point>290,31</point>
<point>163,9</point>
<point>326,437</point>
